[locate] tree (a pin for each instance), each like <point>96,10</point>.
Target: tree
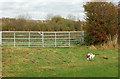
<point>49,16</point>
<point>78,26</point>
<point>71,17</point>
<point>101,21</point>
<point>119,22</point>
<point>24,16</point>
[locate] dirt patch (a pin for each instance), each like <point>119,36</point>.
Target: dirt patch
<point>54,74</point>
<point>48,68</point>
<point>93,63</point>
<point>69,52</point>
<point>34,51</point>
<point>41,50</point>
<point>38,49</point>
<point>26,60</point>
<point>46,51</point>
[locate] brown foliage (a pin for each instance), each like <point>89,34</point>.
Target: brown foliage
<point>102,20</point>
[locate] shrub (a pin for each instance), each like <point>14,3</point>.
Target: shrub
<point>101,21</point>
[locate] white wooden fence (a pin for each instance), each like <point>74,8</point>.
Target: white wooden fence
<point>41,39</point>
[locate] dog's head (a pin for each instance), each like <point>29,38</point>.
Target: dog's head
<point>93,56</point>
<point>88,56</point>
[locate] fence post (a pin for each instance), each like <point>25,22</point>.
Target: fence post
<point>55,39</point>
<point>82,37</point>
<point>29,39</point>
<point>42,39</point>
<point>0,38</point>
<point>14,39</point>
<point>69,39</point>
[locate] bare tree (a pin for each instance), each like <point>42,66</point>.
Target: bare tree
<point>49,16</point>
<point>71,17</point>
<point>24,16</point>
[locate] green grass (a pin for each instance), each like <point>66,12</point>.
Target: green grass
<point>58,62</point>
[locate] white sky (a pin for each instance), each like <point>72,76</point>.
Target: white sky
<point>39,9</point>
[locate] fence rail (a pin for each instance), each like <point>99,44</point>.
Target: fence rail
<point>41,39</point>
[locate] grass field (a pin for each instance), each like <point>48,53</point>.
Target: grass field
<point>58,62</point>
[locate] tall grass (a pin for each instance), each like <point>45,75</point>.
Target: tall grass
<point>112,43</point>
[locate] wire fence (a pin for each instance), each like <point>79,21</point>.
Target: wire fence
<point>41,39</point>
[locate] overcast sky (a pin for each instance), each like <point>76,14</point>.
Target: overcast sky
<point>39,9</point>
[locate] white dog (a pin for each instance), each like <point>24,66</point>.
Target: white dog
<point>90,56</point>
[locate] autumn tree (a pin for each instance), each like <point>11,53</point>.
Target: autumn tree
<point>119,22</point>
<point>101,21</point>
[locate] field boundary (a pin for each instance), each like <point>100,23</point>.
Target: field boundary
<point>41,38</point>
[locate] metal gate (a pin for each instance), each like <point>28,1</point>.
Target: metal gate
<point>41,39</point>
